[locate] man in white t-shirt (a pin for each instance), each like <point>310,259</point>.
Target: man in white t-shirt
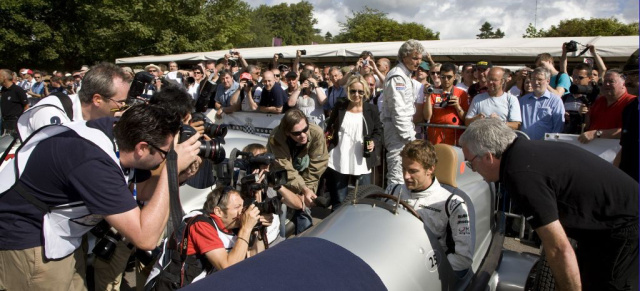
<point>495,103</point>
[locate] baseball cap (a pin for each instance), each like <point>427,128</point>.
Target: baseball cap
<point>483,65</point>
<point>245,76</point>
<point>27,71</point>
<point>424,65</point>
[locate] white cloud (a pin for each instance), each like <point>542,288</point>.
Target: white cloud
<point>461,19</point>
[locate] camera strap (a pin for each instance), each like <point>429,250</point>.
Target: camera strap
<point>175,208</point>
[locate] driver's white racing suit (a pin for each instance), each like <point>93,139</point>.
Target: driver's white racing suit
<point>397,119</point>
<point>438,206</point>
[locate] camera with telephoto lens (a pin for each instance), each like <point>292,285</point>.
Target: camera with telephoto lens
<point>107,240</point>
<point>571,46</point>
<point>210,129</point>
<point>210,149</point>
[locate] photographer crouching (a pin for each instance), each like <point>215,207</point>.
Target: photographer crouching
<point>57,197</point>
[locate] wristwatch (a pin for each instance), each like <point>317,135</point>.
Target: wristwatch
<point>598,133</point>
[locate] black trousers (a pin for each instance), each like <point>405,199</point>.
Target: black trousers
<point>609,260</point>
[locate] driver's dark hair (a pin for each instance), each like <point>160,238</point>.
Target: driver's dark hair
<point>175,99</point>
<point>291,118</point>
<point>149,123</point>
<point>421,151</point>
<point>448,67</point>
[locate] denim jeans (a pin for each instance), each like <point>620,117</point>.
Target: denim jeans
<point>302,220</point>
<point>338,185</point>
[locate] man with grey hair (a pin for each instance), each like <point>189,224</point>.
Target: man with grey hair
<point>398,108</point>
<point>564,191</point>
<point>542,111</point>
<point>495,103</point>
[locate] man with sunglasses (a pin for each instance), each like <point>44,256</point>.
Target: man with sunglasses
<point>448,107</point>
<point>576,105</point>
<point>301,149</point>
<point>58,197</point>
<point>564,192</point>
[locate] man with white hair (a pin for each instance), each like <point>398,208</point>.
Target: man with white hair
<point>398,109</point>
<point>564,191</point>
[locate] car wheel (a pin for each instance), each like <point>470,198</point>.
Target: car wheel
<point>544,280</point>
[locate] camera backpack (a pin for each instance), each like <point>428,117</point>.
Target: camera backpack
<point>176,268</point>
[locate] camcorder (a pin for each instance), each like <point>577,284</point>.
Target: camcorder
<point>139,86</point>
<point>589,92</point>
<point>209,149</point>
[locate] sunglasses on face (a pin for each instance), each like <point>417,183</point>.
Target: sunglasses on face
<point>277,75</point>
<point>579,77</point>
<point>448,77</point>
<point>435,73</point>
<point>353,92</point>
<point>298,133</point>
<point>198,73</point>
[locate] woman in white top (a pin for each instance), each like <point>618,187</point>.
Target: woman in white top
<point>353,121</point>
<point>309,98</point>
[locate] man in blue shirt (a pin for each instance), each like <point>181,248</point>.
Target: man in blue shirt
<point>542,112</point>
<point>225,90</point>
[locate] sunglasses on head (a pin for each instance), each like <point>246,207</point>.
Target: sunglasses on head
<point>298,133</point>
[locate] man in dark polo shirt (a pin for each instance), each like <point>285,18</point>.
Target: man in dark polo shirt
<point>273,96</point>
<point>13,101</point>
<point>565,191</point>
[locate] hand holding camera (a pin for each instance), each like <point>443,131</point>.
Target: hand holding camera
<point>250,216</point>
<point>187,151</point>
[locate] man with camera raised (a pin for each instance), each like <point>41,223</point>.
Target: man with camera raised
<point>56,198</point>
<point>446,106</point>
<point>583,92</point>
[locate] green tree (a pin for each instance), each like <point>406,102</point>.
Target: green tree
<point>53,34</point>
<point>586,27</point>
<point>328,37</point>
<point>372,25</point>
<point>486,31</point>
<point>533,32</point>
<point>291,22</point>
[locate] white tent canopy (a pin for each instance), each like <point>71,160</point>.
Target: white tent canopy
<point>613,49</point>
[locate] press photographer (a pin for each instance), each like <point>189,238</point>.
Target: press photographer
<point>91,185</point>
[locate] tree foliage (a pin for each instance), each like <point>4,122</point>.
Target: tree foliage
<point>372,25</point>
<point>67,34</point>
<point>291,22</point>
<point>486,31</point>
<point>585,27</point>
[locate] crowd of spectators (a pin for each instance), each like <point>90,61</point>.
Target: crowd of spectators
<point>367,111</point>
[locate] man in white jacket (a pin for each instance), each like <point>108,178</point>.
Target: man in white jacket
<point>398,108</point>
<point>446,214</point>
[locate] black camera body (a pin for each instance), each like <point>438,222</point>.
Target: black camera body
<point>590,92</point>
<point>249,163</point>
<point>571,46</point>
<point>303,52</point>
<point>210,129</point>
<point>210,149</point>
<point>446,98</point>
<point>107,240</point>
<point>280,56</point>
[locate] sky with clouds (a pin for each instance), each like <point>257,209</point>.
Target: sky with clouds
<point>461,19</point>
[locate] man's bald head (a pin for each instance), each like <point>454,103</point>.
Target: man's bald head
<point>268,80</point>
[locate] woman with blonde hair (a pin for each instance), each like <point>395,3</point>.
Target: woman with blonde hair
<point>354,132</point>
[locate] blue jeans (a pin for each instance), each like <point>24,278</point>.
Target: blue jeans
<point>338,185</point>
<point>302,220</point>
